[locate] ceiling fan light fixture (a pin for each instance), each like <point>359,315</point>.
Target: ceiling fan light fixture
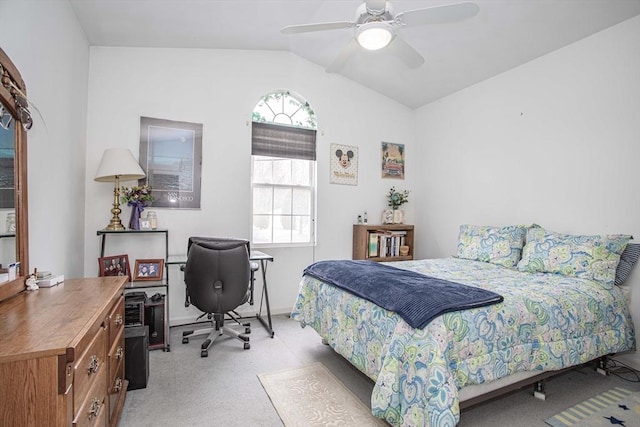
<point>374,35</point>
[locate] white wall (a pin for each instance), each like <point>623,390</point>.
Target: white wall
<point>555,141</point>
<point>45,41</point>
<point>219,89</point>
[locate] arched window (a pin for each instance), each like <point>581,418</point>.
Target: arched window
<point>283,169</point>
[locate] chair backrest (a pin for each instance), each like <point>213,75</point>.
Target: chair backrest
<point>217,273</point>
<point>195,239</point>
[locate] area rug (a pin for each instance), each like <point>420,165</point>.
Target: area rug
<point>616,407</point>
<point>312,396</point>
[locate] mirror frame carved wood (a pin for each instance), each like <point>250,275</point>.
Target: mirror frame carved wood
<point>10,79</point>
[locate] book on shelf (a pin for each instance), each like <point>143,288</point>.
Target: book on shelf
<point>386,243</point>
<point>373,245</point>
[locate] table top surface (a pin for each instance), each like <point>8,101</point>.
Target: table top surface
<point>47,321</point>
<point>153,230</point>
<point>253,256</point>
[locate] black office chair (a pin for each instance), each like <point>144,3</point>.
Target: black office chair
<point>219,278</point>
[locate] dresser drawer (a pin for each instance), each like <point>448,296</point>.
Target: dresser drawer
<point>116,320</point>
<point>116,387</point>
<point>115,379</point>
<point>116,354</point>
<point>90,367</point>
<point>93,410</point>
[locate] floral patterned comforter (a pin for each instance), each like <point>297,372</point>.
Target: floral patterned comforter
<point>546,322</point>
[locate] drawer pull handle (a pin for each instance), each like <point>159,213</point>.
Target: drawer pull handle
<point>119,319</point>
<point>94,364</point>
<point>119,353</point>
<point>118,386</point>
<point>94,409</point>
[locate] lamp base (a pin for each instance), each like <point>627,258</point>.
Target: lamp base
<point>113,225</point>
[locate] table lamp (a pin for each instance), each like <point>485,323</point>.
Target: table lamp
<point>117,164</point>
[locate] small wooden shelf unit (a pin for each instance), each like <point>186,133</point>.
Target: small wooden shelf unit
<point>363,233</point>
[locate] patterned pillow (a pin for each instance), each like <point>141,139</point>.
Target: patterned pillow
<point>589,257</point>
<point>628,259</point>
<point>497,245</point>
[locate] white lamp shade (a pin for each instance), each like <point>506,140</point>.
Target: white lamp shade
<point>118,163</point>
<point>374,35</point>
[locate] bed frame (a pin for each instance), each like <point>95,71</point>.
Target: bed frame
<point>474,394</point>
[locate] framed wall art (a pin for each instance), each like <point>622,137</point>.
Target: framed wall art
<point>171,156</point>
<point>344,165</point>
<point>148,269</point>
<point>117,265</point>
<point>392,160</point>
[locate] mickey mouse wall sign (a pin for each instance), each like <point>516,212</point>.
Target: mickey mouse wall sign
<point>344,165</point>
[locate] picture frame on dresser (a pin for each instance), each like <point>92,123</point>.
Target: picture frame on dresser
<point>116,265</point>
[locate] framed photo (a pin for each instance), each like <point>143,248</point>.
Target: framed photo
<point>148,269</point>
<point>145,224</point>
<point>392,160</point>
<point>117,265</point>
<point>171,156</point>
<point>344,165</point>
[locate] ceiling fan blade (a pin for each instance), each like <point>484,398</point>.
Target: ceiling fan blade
<point>343,57</point>
<point>376,6</point>
<point>438,14</point>
<point>404,51</point>
<point>307,28</point>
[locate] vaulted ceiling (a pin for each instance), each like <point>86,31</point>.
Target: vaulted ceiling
<point>503,35</point>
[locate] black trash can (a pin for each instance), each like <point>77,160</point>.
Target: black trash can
<point>136,356</point>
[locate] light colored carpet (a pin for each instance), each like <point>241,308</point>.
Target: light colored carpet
<point>617,406</point>
<point>311,396</point>
<point>223,389</point>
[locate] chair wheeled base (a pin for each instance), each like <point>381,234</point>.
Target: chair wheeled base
<point>218,329</point>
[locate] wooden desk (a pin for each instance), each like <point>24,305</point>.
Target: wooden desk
<point>62,354</point>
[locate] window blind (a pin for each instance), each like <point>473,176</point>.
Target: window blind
<point>273,140</point>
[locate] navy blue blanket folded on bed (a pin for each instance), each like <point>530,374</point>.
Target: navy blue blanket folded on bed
<point>416,297</point>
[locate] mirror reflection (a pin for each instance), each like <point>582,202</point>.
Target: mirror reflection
<point>15,120</point>
<point>7,199</point>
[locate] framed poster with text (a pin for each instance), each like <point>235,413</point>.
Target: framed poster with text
<point>171,156</point>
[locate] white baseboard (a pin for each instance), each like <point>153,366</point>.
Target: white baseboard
<point>631,358</point>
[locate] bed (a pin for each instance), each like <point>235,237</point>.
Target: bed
<point>547,321</point>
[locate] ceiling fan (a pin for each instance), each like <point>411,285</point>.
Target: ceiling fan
<point>376,26</point>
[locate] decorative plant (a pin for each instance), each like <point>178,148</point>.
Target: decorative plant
<point>395,198</point>
<point>136,195</point>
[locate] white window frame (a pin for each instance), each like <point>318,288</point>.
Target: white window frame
<point>312,208</point>
<point>312,187</point>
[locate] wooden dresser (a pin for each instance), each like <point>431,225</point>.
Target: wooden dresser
<point>62,355</point>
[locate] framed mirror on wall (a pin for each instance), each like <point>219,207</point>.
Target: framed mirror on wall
<point>7,194</point>
<point>15,120</point>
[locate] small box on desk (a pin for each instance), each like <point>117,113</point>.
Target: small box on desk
<point>49,281</point>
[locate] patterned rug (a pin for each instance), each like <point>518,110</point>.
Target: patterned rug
<point>311,396</point>
<point>616,407</point>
